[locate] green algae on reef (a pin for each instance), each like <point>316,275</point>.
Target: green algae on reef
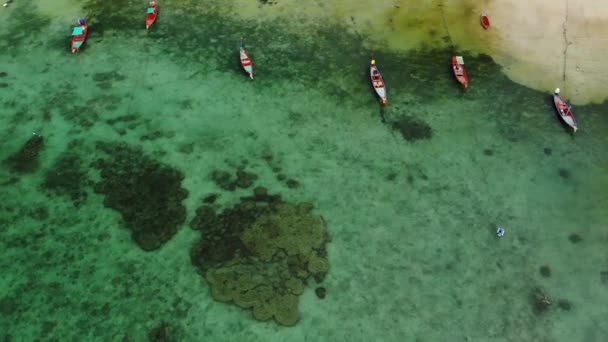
<point>260,253</point>
<point>82,117</point>
<point>120,16</point>
<point>67,178</point>
<point>225,181</point>
<point>26,25</point>
<point>147,194</point>
<point>27,159</point>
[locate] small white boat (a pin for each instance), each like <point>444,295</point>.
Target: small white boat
<point>564,111</point>
<point>378,82</point>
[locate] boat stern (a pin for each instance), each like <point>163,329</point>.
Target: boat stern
<point>76,46</point>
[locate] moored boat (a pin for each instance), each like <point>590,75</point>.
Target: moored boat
<point>485,21</point>
<point>378,82</point>
<point>459,71</point>
<point>246,61</point>
<point>79,35</point>
<point>564,111</point>
<point>151,15</point>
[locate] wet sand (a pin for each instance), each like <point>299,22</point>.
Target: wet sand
<point>554,43</point>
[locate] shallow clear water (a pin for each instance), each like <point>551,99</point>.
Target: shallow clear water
<point>411,195</point>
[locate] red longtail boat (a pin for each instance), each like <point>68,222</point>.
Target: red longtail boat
<point>485,21</point>
<point>151,15</point>
<point>79,35</point>
<point>459,71</point>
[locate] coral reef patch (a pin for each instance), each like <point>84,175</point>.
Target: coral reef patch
<point>147,193</point>
<point>66,177</point>
<point>26,160</point>
<point>260,253</point>
<point>225,181</point>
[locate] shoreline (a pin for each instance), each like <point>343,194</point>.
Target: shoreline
<point>528,39</point>
<point>568,53</point>
<point>538,44</point>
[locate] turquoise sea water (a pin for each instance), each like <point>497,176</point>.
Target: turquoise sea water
<point>411,195</point>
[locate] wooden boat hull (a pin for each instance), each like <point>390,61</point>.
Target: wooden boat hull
<point>564,112</point>
<point>459,71</point>
<point>485,21</point>
<point>378,83</point>
<point>246,62</point>
<point>151,17</point>
<point>78,40</point>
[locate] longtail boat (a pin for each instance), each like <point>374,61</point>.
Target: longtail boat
<point>79,35</point>
<point>459,71</point>
<point>378,82</point>
<point>152,13</point>
<point>246,61</point>
<point>564,111</point>
<point>485,21</point>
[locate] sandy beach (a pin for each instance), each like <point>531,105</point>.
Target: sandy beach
<point>548,43</point>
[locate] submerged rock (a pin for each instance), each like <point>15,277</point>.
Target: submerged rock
<point>320,292</point>
<point>412,129</point>
<point>26,160</point>
<point>540,301</point>
<point>164,332</point>
<point>225,181</point>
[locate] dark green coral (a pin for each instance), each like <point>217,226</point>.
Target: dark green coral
<point>147,193</point>
<point>67,178</point>
<point>260,253</point>
<point>26,160</point>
